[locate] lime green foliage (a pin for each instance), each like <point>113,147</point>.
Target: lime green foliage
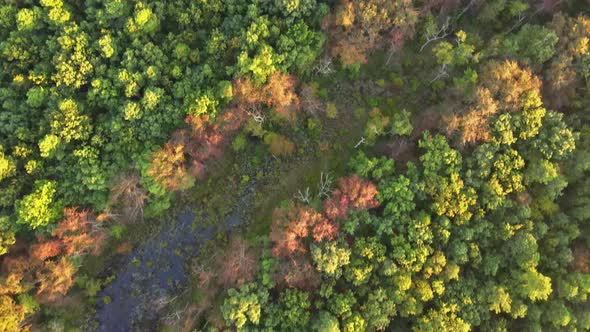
<point>330,258</point>
<point>239,143</point>
<point>243,307</point>
<point>7,166</point>
<point>401,123</point>
<point>7,238</point>
<point>39,208</point>
<point>29,304</point>
<point>49,145</point>
<point>331,110</point>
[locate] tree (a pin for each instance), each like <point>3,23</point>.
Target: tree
<point>39,209</point>
<point>239,265</point>
<point>342,304</point>
<point>508,82</point>
<point>330,257</point>
<point>46,249</point>
<point>325,322</point>
<point>12,315</point>
<point>534,285</point>
<point>128,196</point>
<point>55,278</point>
<point>294,310</point>
<point>352,193</point>
<point>443,319</point>
<point>533,43</point>
<point>290,227</point>
<point>69,123</point>
<point>7,165</point>
<point>168,168</point>
<point>243,307</point>
<point>378,309</point>
<point>80,232</point>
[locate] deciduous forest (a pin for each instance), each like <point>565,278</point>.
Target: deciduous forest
<point>294,165</point>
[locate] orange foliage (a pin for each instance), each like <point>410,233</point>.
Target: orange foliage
<point>207,140</point>
<point>79,232</point>
<point>46,249</point>
<point>473,126</point>
<point>508,82</point>
<point>124,248</point>
<point>562,74</point>
<point>351,51</point>
<point>357,27</point>
<point>168,167</point>
<point>289,229</point>
<point>352,193</point>
<point>56,278</point>
<point>13,284</point>
<point>278,93</point>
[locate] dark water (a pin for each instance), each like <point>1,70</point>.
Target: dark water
<point>156,271</point>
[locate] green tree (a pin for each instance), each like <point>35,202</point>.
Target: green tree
<point>243,307</point>
<point>39,208</point>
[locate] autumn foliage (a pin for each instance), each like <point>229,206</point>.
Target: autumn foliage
<point>508,82</point>
<point>46,249</point>
<point>277,94</point>
<point>55,278</point>
<point>358,27</point>
<point>473,125</point>
<point>80,232</point>
<point>46,264</point>
<point>352,193</point>
<point>168,167</point>
<point>290,228</point>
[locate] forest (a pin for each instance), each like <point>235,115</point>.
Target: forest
<point>294,165</point>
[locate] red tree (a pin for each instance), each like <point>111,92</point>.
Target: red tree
<point>290,228</point>
<point>352,193</point>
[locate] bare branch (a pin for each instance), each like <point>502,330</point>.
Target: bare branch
<point>255,112</point>
<point>440,34</point>
<point>441,73</point>
<point>325,185</point>
<point>304,197</point>
<point>361,141</point>
<point>323,66</point>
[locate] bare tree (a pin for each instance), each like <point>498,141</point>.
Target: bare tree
<point>441,73</point>
<point>325,185</point>
<point>128,195</point>
<point>310,101</point>
<point>303,196</point>
<point>324,66</point>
